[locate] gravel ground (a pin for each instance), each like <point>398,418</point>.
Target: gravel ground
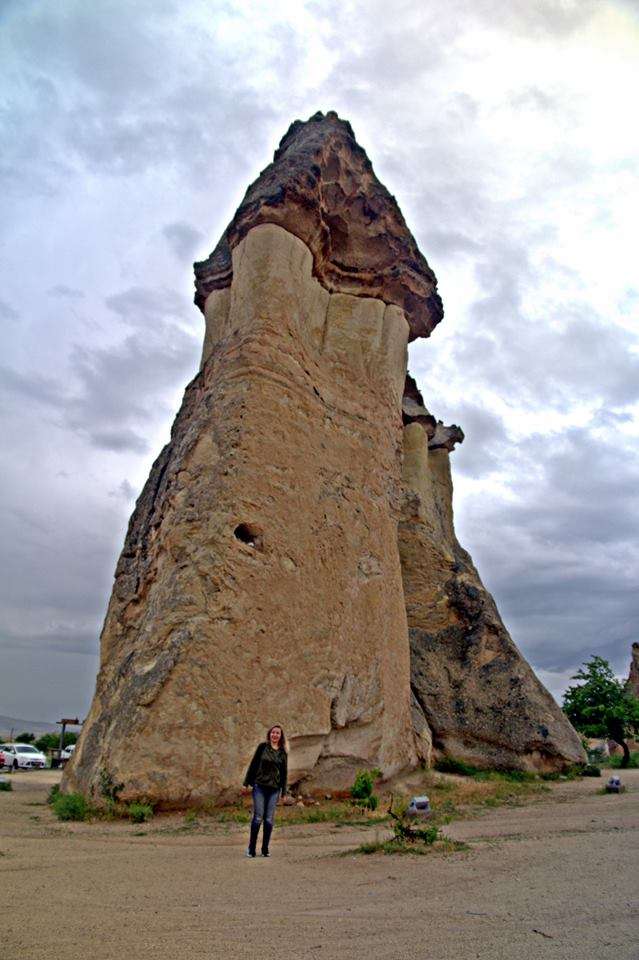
<point>557,879</point>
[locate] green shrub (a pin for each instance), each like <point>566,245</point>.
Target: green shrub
<point>139,812</point>
<point>6,785</point>
<point>451,765</point>
<point>71,806</point>
<point>362,790</point>
<point>53,793</point>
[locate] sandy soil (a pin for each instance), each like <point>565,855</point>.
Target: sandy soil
<point>557,879</point>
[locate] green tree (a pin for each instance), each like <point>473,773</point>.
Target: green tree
<point>602,706</point>
<point>51,741</point>
<point>25,738</point>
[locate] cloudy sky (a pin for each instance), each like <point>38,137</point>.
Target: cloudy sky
<point>507,131</point>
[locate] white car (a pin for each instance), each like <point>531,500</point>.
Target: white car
<point>23,756</point>
<point>67,753</point>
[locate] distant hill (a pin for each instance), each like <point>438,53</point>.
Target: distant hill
<point>24,726</point>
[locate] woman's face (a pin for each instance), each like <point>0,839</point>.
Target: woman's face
<point>275,736</point>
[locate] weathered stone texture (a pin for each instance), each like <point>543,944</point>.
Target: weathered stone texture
<point>260,577</point>
<point>480,698</point>
<point>322,188</point>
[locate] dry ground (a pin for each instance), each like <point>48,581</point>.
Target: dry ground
<point>556,879</point>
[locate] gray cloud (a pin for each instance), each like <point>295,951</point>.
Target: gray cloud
<point>62,292</point>
<point>562,556</point>
<point>7,312</point>
<point>183,239</point>
<point>130,135</point>
<point>485,444</point>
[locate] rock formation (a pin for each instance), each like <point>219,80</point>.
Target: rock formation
<point>260,579</point>
<point>480,698</point>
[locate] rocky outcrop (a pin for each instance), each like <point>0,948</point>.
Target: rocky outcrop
<point>260,579</point>
<point>480,698</point>
<point>321,187</point>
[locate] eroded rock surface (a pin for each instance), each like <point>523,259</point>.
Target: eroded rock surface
<point>480,698</point>
<point>260,578</point>
<point>322,188</point>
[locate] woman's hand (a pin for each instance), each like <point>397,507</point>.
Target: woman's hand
<point>245,791</point>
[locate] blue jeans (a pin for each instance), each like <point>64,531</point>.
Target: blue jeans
<point>264,803</point>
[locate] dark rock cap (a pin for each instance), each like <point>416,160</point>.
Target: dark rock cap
<point>322,188</point>
<point>413,411</point>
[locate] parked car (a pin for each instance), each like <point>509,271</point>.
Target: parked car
<point>6,760</point>
<point>23,756</point>
<point>67,753</point>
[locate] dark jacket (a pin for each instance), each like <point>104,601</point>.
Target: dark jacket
<point>254,766</point>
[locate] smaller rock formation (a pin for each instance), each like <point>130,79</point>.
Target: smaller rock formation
<point>479,697</point>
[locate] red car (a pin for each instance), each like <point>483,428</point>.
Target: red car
<point>5,760</point>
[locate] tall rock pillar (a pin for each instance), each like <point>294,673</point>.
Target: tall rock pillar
<point>260,579</point>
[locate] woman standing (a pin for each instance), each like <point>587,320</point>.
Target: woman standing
<point>266,774</point>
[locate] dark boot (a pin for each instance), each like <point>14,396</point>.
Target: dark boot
<point>255,829</point>
<point>267,830</point>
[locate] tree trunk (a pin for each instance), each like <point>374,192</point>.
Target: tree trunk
<point>626,753</point>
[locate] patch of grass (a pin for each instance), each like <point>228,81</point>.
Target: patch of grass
<point>190,817</point>
<point>6,786</point>
<point>232,815</point>
<point>463,769</point>
<point>393,847</point>
<point>452,765</point>
<point>71,806</point>
<point>139,812</point>
<point>572,772</point>
<point>451,799</point>
<point>615,761</point>
<point>340,814</point>
<point>53,793</point>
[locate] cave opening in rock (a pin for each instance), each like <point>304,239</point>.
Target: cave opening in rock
<point>248,535</point>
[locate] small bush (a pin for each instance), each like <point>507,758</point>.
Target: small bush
<point>53,793</point>
<point>6,785</point>
<point>71,806</point>
<point>362,790</point>
<point>139,812</point>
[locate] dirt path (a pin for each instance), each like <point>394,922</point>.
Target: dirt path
<point>557,879</point>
